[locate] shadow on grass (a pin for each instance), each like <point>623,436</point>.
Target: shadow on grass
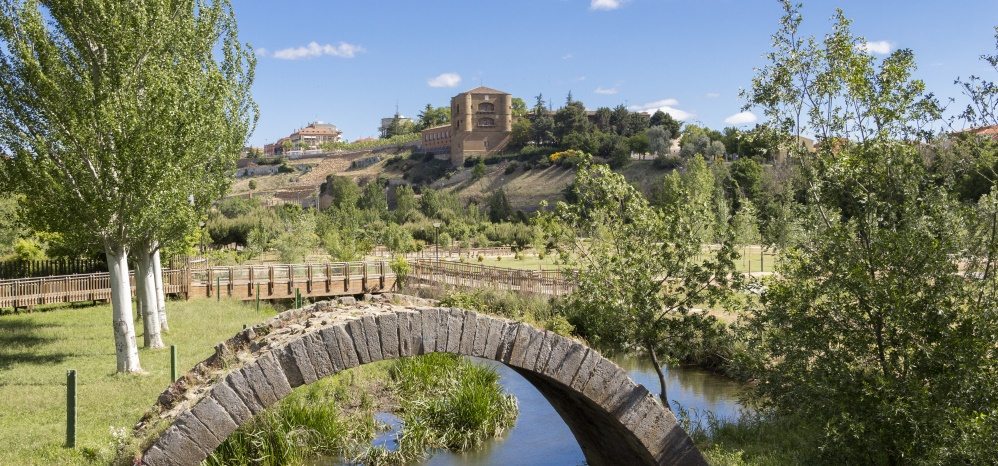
<point>19,340</point>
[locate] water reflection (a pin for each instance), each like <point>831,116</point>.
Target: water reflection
<point>540,436</point>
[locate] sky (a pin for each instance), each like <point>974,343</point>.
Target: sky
<point>350,63</point>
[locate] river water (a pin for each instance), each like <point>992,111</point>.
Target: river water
<point>540,437</point>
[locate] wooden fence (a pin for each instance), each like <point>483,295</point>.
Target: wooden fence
<point>461,275</point>
<point>240,282</point>
<point>29,269</point>
<point>430,252</point>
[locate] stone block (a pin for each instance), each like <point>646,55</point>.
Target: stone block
<point>468,329</point>
<point>328,337</point>
<point>585,372</point>
<point>405,320</point>
<point>429,320</point>
<point>304,360</point>
<point>274,373</point>
<point>388,328</point>
<point>455,323</point>
<point>228,399</point>
<point>258,382</point>
<point>356,330</point>
<point>215,418</point>
<point>155,457</point>
<point>568,366</point>
<point>348,352</point>
<point>347,300</point>
<point>529,356</point>
<point>494,339</point>
<point>195,431</point>
<point>373,338</point>
<point>559,346</point>
<point>289,365</point>
<point>237,381</point>
<point>319,355</point>
<point>544,351</point>
<point>179,448</point>
<point>509,339</point>
<point>482,324</point>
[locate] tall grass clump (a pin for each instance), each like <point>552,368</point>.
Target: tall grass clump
<point>310,422</point>
<point>445,402</point>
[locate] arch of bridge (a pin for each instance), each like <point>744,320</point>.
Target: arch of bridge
<point>615,420</point>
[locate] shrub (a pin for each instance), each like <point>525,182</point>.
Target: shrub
<point>667,162</point>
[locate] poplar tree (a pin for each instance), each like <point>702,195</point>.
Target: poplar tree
<point>119,122</point>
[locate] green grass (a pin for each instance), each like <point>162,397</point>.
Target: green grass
<point>331,418</point>
<point>37,349</point>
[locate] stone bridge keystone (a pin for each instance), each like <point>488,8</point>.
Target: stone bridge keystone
<point>614,420</point>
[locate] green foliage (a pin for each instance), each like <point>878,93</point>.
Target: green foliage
<point>499,209</point>
<point>398,239</point>
<point>298,240</point>
<point>446,402</point>
<point>872,328</point>
<point>405,204</point>
<point>91,123</point>
<point>479,171</point>
<point>651,305</point>
<point>401,269</point>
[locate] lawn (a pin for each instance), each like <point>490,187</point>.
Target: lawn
<point>37,349</point>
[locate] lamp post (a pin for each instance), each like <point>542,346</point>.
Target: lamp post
<point>436,240</point>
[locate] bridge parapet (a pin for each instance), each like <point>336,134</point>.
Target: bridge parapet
<point>615,420</point>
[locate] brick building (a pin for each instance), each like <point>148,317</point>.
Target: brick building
<point>481,123</point>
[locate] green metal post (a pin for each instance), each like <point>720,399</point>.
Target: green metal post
<point>257,297</point>
<point>173,363</point>
<point>218,288</point>
<point>71,408</point>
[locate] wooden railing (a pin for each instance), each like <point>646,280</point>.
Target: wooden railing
<point>239,282</point>
<point>26,292</point>
<point>430,252</point>
<point>458,274</point>
<point>12,269</point>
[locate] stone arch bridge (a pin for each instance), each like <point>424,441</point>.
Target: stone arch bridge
<point>614,420</point>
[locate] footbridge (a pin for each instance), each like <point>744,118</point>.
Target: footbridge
<point>615,420</point>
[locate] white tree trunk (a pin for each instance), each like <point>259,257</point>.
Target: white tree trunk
<point>125,349</point>
<point>160,294</point>
<point>139,292</point>
<point>150,316</point>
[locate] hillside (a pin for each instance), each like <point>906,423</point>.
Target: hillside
<point>525,187</point>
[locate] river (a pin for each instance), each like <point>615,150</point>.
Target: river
<point>540,437</point>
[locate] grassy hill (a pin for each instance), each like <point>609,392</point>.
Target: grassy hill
<point>526,184</point>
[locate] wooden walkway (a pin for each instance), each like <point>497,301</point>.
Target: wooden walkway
<point>461,275</point>
<point>238,282</point>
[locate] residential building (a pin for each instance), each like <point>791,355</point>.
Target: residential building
<point>305,140</point>
<point>436,140</point>
<point>386,123</point>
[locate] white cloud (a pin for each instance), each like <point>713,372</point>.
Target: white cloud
<point>314,49</point>
<point>712,95</point>
<point>606,90</point>
<point>665,105</point>
<point>741,118</point>
<point>879,47</point>
<point>261,52</point>
<point>567,56</point>
<point>604,4</point>
<point>445,80</point>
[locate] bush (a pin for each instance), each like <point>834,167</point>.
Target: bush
<point>511,168</point>
<point>667,162</point>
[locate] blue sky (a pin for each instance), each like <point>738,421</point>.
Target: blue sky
<point>349,62</point>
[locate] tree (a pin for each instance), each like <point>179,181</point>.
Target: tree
<point>871,333</point>
<point>518,108</point>
<point>479,171</point>
<point>613,229</point>
<point>523,132</point>
<point>570,119</point>
<point>498,206</point>
<point>101,114</point>
<point>342,189</point>
<point>666,121</point>
<point>373,198</point>
<point>659,140</point>
<point>602,119</point>
<point>405,204</point>
<point>432,116</point>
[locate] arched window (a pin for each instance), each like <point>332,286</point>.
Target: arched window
<point>486,107</point>
<point>486,122</point>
